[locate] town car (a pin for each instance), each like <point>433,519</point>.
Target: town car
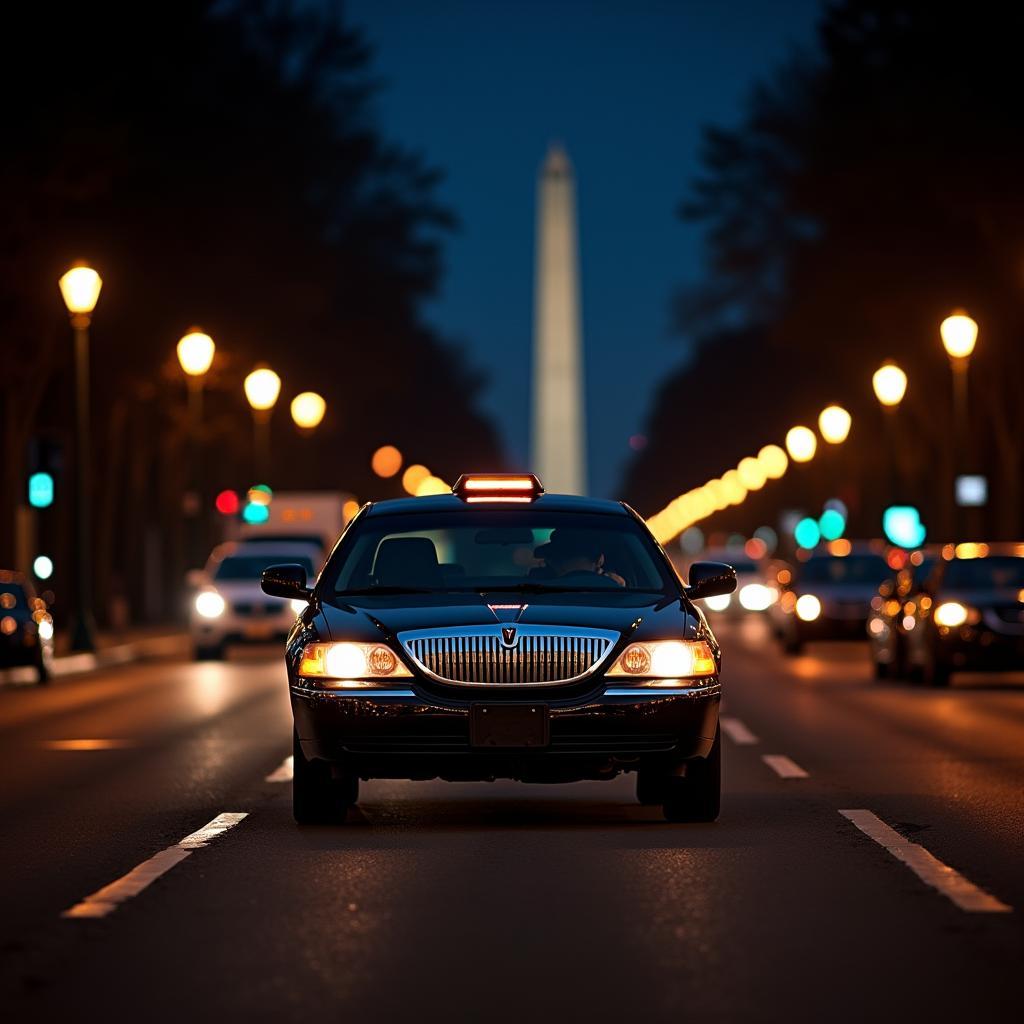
<point>501,632</point>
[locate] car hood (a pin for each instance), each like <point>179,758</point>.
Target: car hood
<point>645,616</point>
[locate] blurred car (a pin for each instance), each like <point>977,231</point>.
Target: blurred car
<point>501,632</point>
<point>229,606</point>
<point>892,611</point>
<point>26,627</point>
<point>751,595</point>
<point>969,613</point>
<point>829,595</point>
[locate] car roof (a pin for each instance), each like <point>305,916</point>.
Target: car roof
<point>451,503</point>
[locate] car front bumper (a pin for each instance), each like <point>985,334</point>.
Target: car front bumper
<point>400,733</point>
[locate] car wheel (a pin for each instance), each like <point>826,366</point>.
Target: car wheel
<point>318,797</point>
<point>211,652</point>
<point>650,787</point>
<point>698,795</point>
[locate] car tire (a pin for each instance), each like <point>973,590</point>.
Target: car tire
<point>209,652</point>
<point>650,787</point>
<point>698,795</point>
<point>318,796</point>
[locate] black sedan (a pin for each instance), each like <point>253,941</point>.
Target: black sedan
<point>26,628</point>
<point>969,614</point>
<point>500,632</point>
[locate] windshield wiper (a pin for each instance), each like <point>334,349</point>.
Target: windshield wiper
<point>362,591</point>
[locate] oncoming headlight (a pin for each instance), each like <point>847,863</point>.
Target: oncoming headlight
<point>351,664</point>
<point>756,597</point>
<point>808,607</point>
<point>719,602</point>
<point>210,604</point>
<point>665,659</point>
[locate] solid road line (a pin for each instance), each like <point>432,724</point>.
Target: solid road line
<point>283,772</point>
<point>737,731</point>
<point>784,767</point>
<point>965,894</point>
<point>107,899</point>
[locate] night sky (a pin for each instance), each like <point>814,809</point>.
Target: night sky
<point>482,88</point>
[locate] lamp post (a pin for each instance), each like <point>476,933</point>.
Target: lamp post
<point>195,354</point>
<point>890,385</point>
<point>959,334</point>
<point>80,287</point>
<point>262,387</point>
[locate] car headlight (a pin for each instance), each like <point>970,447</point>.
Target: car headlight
<point>210,604</point>
<point>45,628</point>
<point>665,659</point>
<point>950,613</point>
<point>756,597</point>
<point>808,607</point>
<point>351,665</point>
<point>719,602</point>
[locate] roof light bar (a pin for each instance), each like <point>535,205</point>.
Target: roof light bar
<point>514,487</point>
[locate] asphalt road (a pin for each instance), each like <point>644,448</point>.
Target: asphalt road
<point>502,902</point>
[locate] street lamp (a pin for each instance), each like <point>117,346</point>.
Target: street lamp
<point>834,424</point>
<point>262,387</point>
<point>308,410</point>
<point>890,384</point>
<point>195,354</point>
<point>801,444</point>
<point>80,287</point>
<point>959,334</point>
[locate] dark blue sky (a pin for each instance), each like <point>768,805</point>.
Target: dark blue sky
<point>482,88</point>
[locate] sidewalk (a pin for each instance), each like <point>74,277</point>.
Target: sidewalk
<point>112,648</point>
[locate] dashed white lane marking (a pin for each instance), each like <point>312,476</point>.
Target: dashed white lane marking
<point>87,744</point>
<point>784,767</point>
<point>737,731</point>
<point>965,894</point>
<point>283,772</point>
<point>107,899</point>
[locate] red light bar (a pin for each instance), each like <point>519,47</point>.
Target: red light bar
<point>514,487</point>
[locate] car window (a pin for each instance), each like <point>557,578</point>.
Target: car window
<point>993,573</point>
<point>250,567</point>
<point>497,550</point>
<point>12,595</point>
<point>866,569</point>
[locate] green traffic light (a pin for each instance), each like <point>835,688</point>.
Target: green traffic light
<point>40,490</point>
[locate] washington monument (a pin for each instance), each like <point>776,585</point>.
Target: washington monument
<point>559,449</point>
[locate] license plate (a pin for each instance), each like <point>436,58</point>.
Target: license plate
<point>509,725</point>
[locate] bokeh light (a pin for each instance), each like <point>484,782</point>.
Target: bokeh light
<point>227,503</point>
<point>387,461</point>
<point>774,461</point>
<point>414,476</point>
<point>834,424</point>
<point>801,444</point>
<point>806,533</point>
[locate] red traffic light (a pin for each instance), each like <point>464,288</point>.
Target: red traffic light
<point>227,503</point>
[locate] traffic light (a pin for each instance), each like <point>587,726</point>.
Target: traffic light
<point>40,490</point>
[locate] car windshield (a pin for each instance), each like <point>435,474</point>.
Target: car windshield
<point>524,549</point>
<point>855,569</point>
<point>993,573</point>
<point>12,595</point>
<point>250,567</point>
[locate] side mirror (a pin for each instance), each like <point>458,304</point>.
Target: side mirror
<point>709,579</point>
<point>285,581</point>
<point>195,578</point>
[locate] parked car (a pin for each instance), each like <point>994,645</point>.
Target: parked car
<point>229,606</point>
<point>969,613</point>
<point>26,626</point>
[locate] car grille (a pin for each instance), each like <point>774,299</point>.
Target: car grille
<point>538,655</point>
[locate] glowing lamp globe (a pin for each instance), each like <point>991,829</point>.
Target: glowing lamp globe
<point>262,387</point>
<point>80,287</point>
<point>834,424</point>
<point>801,444</point>
<point>890,384</point>
<point>773,460</point>
<point>959,334</point>
<point>308,409</point>
<point>195,353</point>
